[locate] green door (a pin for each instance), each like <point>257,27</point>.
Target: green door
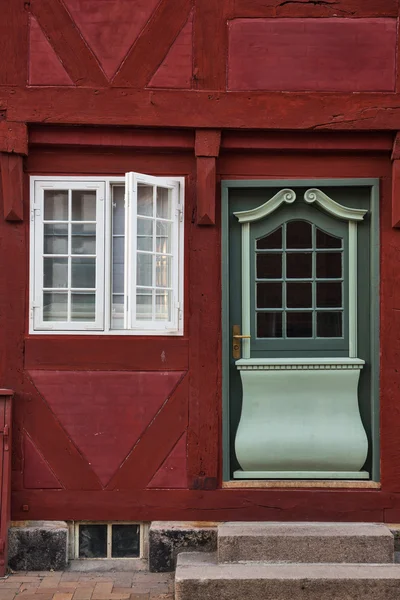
<point>300,284</point>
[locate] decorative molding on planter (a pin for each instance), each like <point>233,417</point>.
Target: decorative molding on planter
<point>333,208</point>
<point>293,364</point>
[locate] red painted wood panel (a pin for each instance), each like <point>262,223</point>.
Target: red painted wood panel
<point>13,137</point>
<point>172,473</point>
<point>176,70</point>
<point>13,43</point>
<point>11,186</point>
<point>305,8</point>
<point>37,471</point>
<point>105,413</point>
<point>110,28</point>
<point>312,54</point>
<point>111,353</point>
<point>45,68</point>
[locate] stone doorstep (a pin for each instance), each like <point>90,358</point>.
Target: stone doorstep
<point>305,542</point>
<point>200,577</point>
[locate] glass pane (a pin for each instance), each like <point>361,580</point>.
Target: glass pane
<point>55,306</point>
<point>163,203</point>
<point>83,307</point>
<point>325,240</point>
<point>163,306</point>
<point>329,295</point>
<point>329,324</point>
<point>55,272</point>
<point>145,234</point>
<point>144,269</point>
<point>269,325</point>
<point>329,265</point>
<point>55,205</point>
<point>299,295</point>
<point>83,205</point>
<point>118,265</point>
<point>117,312</point>
<point>163,239</point>
<point>145,200</point>
<point>269,266</point>
<point>118,204</point>
<point>269,295</point>
<point>83,239</point>
<point>299,324</point>
<point>299,265</point>
<point>92,541</point>
<point>55,239</point>
<point>83,272</point>
<point>125,541</point>
<point>273,241</point>
<point>144,305</point>
<point>163,271</point>
<point>298,234</point>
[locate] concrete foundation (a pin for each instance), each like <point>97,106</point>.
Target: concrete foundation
<point>38,546</point>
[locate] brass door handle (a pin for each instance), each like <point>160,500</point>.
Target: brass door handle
<point>236,341</point>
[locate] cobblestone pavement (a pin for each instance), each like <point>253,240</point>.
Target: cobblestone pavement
<point>70,585</point>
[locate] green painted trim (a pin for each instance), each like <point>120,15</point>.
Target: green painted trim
<point>301,475</point>
<point>373,183</point>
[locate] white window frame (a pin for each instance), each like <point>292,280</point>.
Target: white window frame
<point>102,323</point>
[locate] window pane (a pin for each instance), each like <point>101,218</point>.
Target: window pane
<point>83,307</point>
<point>55,239</point>
<point>144,305</point>
<point>163,203</point>
<point>144,269</point>
<point>269,295</point>
<point>83,272</point>
<point>329,295</point>
<point>299,265</point>
<point>269,325</point>
<point>329,265</point>
<point>299,295</point>
<point>117,312</point>
<point>269,266</point>
<point>55,306</point>
<point>145,234</point>
<point>55,272</point>
<point>83,239</point>
<point>55,205</point>
<point>329,324</point>
<point>325,240</point>
<point>145,200</point>
<point>118,265</point>
<point>299,324</point>
<point>273,241</point>
<point>125,541</point>
<point>163,271</point>
<point>298,234</point>
<point>163,306</point>
<point>92,541</point>
<point>83,205</point>
<point>118,204</point>
<point>163,237</point>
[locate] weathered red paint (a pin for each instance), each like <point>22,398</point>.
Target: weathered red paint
<point>172,473</point>
<point>11,186</point>
<point>45,68</point>
<point>312,54</point>
<point>37,471</point>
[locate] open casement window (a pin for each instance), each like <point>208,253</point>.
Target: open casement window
<point>105,256</point>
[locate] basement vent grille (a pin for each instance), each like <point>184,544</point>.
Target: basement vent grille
<point>94,540</point>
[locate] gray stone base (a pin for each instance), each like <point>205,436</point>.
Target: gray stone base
<point>38,546</point>
<point>168,538</point>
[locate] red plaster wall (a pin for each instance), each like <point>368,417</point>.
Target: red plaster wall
<point>312,54</point>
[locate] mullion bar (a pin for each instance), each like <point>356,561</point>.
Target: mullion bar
<point>284,294</point>
<point>69,306</point>
<point>313,284</point>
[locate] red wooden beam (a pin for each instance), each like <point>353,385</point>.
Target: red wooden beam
<point>75,55</point>
<point>202,109</point>
<point>304,8</point>
<point>152,45</point>
<point>13,43</point>
<point>12,186</point>
<point>156,442</point>
<point>210,42</point>
<point>13,137</point>
<point>207,146</point>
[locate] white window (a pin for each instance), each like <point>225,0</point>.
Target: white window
<point>107,254</point>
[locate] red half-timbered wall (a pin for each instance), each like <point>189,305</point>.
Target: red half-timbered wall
<point>130,427</point>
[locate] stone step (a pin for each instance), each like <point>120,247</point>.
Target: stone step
<point>305,542</point>
<point>200,577</point>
